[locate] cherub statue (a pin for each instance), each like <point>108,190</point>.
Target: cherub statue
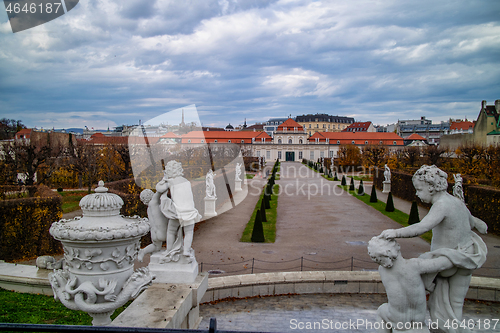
<point>157,219</point>
<point>452,237</point>
<point>387,174</point>
<point>238,172</point>
<point>210,184</point>
<point>182,203</point>
<point>404,286</point>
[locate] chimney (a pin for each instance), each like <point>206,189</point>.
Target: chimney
<point>497,105</point>
<point>483,105</point>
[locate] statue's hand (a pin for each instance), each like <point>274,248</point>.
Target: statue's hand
<point>480,225</point>
<point>389,234</point>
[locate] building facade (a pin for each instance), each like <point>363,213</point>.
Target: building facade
<point>321,122</point>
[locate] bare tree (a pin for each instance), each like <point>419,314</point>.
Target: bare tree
<point>85,162</point>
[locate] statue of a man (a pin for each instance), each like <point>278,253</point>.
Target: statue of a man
<point>452,237</point>
<point>387,174</point>
<point>210,186</point>
<point>238,172</point>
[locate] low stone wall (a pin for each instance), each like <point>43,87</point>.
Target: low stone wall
<point>321,282</point>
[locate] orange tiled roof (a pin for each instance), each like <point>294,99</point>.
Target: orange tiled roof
<point>290,124</point>
<point>363,126</point>
<point>359,138</point>
<point>170,135</point>
<point>26,132</point>
<point>461,125</point>
<point>415,136</point>
<point>223,136</point>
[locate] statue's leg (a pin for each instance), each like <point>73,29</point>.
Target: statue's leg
<point>173,225</point>
<point>459,285</point>
<point>188,239</point>
<point>148,249</point>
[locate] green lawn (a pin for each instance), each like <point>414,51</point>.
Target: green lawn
<point>271,215</point>
<point>71,200</point>
<point>249,176</point>
<point>397,215</point>
<point>40,309</point>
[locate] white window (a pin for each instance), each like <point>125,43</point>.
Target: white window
<point>330,153</point>
<point>284,129</point>
<point>189,141</point>
<point>242,141</point>
<point>322,154</point>
<point>279,155</point>
<point>279,141</point>
<point>258,153</point>
<point>317,140</point>
<point>268,154</point>
<point>338,142</point>
<point>215,140</point>
<point>289,141</point>
<point>395,143</point>
<point>353,142</point>
<point>202,140</point>
<point>300,141</point>
<point>311,155</point>
<point>228,141</point>
<point>366,142</point>
<point>327,140</point>
<point>262,139</point>
<point>300,155</point>
<point>381,142</point>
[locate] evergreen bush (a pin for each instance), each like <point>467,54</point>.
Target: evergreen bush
<point>361,189</point>
<point>414,217</point>
<point>258,230</point>
<point>263,210</point>
<point>336,177</point>
<point>344,182</point>
<point>389,207</point>
<point>373,195</point>
<point>351,187</point>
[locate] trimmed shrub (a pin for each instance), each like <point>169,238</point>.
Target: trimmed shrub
<point>373,195</point>
<point>344,182</point>
<point>389,207</point>
<point>351,186</point>
<point>263,211</point>
<point>336,177</point>
<point>258,230</point>
<point>361,189</point>
<point>414,217</point>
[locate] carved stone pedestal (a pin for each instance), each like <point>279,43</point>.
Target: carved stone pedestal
<point>173,272</point>
<point>210,207</point>
<point>237,187</point>
<point>386,187</point>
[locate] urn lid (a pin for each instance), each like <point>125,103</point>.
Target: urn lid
<point>101,220</point>
<point>101,203</point>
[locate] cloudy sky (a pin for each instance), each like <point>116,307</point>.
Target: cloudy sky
<point>112,62</point>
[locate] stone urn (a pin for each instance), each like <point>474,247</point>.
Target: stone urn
<point>99,253</point>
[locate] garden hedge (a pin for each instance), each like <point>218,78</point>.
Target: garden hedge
<point>25,224</point>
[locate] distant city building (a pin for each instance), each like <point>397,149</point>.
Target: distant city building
<point>425,128</point>
<point>322,122</point>
<point>415,140</point>
<point>272,124</point>
<point>461,126</point>
<point>366,126</point>
<point>386,128</point>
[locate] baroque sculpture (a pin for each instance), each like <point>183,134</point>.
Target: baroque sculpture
<point>404,285</point>
<point>387,174</point>
<point>452,237</point>
<point>458,190</point>
<point>99,253</point>
<point>210,186</point>
<point>238,172</point>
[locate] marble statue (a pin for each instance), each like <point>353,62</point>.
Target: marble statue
<point>157,220</point>
<point>458,190</point>
<point>452,237</point>
<point>210,184</point>
<point>387,174</point>
<point>406,307</point>
<point>180,210</point>
<point>238,172</point>
<point>49,262</point>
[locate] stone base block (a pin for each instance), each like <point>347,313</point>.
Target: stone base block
<point>386,187</point>
<point>210,207</point>
<point>173,272</point>
<point>237,186</point>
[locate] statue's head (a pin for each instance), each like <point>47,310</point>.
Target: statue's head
<point>146,196</point>
<point>173,169</point>
<point>383,251</point>
<point>434,177</point>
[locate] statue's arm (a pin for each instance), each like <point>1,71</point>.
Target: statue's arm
<point>477,223</point>
<point>433,218</point>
